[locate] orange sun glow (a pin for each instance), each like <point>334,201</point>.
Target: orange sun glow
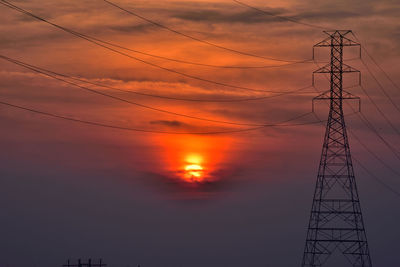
<point>193,170</point>
<point>193,159</point>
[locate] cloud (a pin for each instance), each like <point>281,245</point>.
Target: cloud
<point>141,28</point>
<point>216,16</point>
<point>167,123</point>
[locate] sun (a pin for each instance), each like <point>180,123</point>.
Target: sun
<point>194,170</point>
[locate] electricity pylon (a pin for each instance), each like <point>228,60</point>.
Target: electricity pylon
<point>89,263</point>
<point>336,221</point>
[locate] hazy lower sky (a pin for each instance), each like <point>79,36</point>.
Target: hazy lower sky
<point>77,191</point>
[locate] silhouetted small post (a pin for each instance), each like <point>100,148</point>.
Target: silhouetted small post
<point>89,263</point>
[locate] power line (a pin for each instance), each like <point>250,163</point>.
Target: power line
<point>373,153</point>
<point>132,129</point>
<point>186,61</point>
<point>191,62</point>
<point>317,26</point>
<point>89,39</point>
<point>371,127</point>
<point>128,101</point>
<point>376,178</point>
<point>379,110</point>
<point>280,17</point>
<point>376,63</point>
<point>154,95</point>
<point>353,134</point>
<point>384,72</point>
<point>380,181</point>
<point>200,40</point>
<point>53,115</point>
<point>380,85</point>
<point>198,63</point>
<point>375,78</point>
<point>374,130</point>
<point>366,122</point>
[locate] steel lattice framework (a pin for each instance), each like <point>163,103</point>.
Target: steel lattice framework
<point>336,221</point>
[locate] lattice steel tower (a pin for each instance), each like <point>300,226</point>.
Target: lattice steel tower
<point>336,221</point>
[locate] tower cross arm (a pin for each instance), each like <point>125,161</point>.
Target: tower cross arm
<point>347,68</point>
<point>345,95</point>
<point>336,38</point>
<point>327,69</point>
<point>324,43</point>
<point>327,42</point>
<point>327,95</point>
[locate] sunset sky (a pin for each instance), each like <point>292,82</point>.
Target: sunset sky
<point>70,190</point>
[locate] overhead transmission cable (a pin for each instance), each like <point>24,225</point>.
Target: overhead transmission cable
<point>369,125</point>
<point>364,119</point>
<point>280,17</point>
<point>201,40</point>
<point>180,60</point>
<point>395,152</point>
<point>298,91</point>
<point>191,62</point>
<point>241,130</point>
<point>381,86</point>
<point>380,110</point>
<point>89,39</point>
<point>366,122</point>
<point>353,134</point>
<point>362,47</point>
<point>376,178</point>
<point>53,115</point>
<point>379,180</point>
<point>53,76</point>
<point>375,62</point>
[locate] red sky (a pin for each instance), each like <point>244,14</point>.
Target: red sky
<point>235,162</point>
